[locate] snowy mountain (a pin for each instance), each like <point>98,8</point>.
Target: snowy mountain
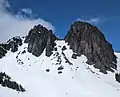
<point>41,65</point>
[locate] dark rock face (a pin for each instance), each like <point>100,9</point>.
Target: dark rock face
<point>59,72</point>
<point>117,77</point>
<point>64,48</point>
<point>47,70</point>
<point>5,81</point>
<point>50,43</point>
<point>55,49</point>
<point>2,51</point>
<point>86,39</point>
<point>74,56</point>
<point>40,38</point>
<point>60,68</point>
<point>12,44</point>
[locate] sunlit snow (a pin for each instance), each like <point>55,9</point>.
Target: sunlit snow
<point>76,80</point>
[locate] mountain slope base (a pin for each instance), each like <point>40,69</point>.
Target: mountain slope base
<point>77,79</point>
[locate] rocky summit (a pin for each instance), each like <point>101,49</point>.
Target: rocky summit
<point>40,38</point>
<point>88,40</point>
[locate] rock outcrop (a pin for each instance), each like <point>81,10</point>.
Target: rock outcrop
<point>88,40</point>
<point>117,77</point>
<point>3,50</point>
<point>40,38</point>
<point>6,81</point>
<point>12,44</point>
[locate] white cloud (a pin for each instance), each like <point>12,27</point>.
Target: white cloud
<point>95,20</point>
<point>27,10</point>
<point>16,25</point>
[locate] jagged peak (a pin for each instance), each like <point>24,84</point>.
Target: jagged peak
<point>40,38</point>
<point>87,25</point>
<point>88,40</point>
<point>40,29</point>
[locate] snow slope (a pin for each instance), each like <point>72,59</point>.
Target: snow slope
<point>77,79</point>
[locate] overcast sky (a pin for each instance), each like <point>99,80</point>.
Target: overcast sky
<point>17,17</point>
